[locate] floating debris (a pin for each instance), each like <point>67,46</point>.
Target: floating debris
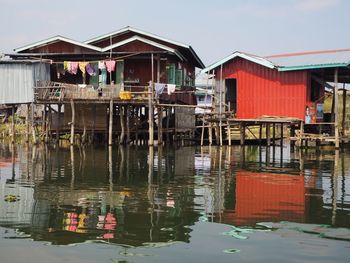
<point>231,251</point>
<point>11,198</point>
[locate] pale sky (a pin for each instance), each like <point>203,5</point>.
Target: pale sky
<point>214,29</point>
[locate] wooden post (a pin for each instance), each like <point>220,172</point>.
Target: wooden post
<point>93,122</point>
<point>301,141</point>
<point>33,124</point>
<point>128,124</point>
<point>122,125</point>
<point>158,68</point>
<point>168,115</point>
<point>242,133</point>
<point>281,143</point>
<point>72,123</point>
<point>344,111</point>
<point>13,125</point>
<point>292,134</point>
<point>260,134</point>
<point>59,106</point>
<point>268,142</point>
<point>160,125</point>
<point>150,115</point>
<point>273,134</point>
<point>150,106</point>
<point>210,131</point>
<point>336,115</point>
<point>110,127</point>
<point>229,132</point>
<point>202,134</point>
<point>48,124</point>
<point>27,123</point>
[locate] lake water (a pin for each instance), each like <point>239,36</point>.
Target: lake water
<point>187,204</point>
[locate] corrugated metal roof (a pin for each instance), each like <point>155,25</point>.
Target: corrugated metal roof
<point>55,39</point>
<point>310,60</point>
<point>294,61</point>
<point>256,59</point>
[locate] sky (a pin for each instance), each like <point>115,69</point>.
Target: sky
<point>214,29</point>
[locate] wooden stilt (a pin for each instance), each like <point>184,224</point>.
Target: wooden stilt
<point>93,122</point>
<point>59,107</point>
<point>260,134</point>
<point>110,126</point>
<point>242,134</point>
<point>168,114</point>
<point>122,125</point>
<point>127,123</point>
<point>33,125</point>
<point>229,132</point>
<point>150,117</point>
<point>72,123</point>
<point>281,153</point>
<point>48,124</point>
<point>273,134</point>
<point>43,123</point>
<point>268,140</point>
<point>160,125</point>
<point>13,125</point>
<point>336,115</point>
<point>210,131</point>
<point>83,137</point>
<point>344,111</point>
<point>203,125</point>
<point>27,123</point>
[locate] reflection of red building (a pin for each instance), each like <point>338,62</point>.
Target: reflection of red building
<point>267,197</point>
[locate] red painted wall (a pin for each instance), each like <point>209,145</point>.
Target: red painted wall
<point>263,91</point>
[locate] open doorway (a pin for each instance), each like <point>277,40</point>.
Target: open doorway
<point>231,94</point>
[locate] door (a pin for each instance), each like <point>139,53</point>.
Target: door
<point>231,94</point>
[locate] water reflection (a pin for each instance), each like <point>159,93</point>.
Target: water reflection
<point>133,196</point>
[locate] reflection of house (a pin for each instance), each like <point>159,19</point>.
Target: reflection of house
<point>267,197</point>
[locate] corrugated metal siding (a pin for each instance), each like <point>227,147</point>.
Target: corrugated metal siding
<point>17,81</point>
<point>264,91</point>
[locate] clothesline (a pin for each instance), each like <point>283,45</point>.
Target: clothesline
<point>50,61</point>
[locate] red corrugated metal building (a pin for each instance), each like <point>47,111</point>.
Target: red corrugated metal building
<point>281,85</point>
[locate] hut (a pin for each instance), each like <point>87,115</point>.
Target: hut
<point>286,85</point>
<point>113,83</point>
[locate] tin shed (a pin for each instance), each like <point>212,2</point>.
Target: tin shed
<point>18,78</point>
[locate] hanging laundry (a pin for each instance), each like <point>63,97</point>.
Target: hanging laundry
<point>110,65</point>
<point>159,88</point>
<point>103,76</point>
<point>101,65</point>
<point>95,67</point>
<point>171,88</point>
<point>73,67</point>
<point>90,70</point>
<point>65,65</point>
<point>82,66</point>
<point>60,68</point>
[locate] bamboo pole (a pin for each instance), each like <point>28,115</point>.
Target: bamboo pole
<point>202,134</point>
<point>110,127</point>
<point>242,133</point>
<point>72,123</point>
<point>168,114</point>
<point>268,142</point>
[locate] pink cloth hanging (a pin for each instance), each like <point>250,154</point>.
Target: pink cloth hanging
<point>73,69</point>
<point>110,65</point>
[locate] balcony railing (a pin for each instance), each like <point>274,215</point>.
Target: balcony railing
<point>56,91</point>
